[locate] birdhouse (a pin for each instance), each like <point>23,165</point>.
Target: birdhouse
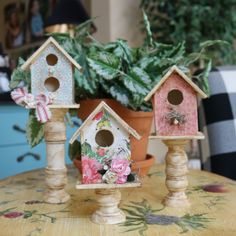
<point>105,147</point>
<point>51,69</point>
<point>175,104</point>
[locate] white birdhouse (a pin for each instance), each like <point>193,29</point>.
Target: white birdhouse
<point>105,145</point>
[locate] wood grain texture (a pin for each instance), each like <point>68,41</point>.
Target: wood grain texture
<point>56,173</point>
<point>108,211</point>
<point>176,173</point>
<point>212,211</point>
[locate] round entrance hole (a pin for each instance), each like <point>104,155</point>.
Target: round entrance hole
<point>175,97</point>
<point>51,59</point>
<point>104,138</point>
<point>52,84</point>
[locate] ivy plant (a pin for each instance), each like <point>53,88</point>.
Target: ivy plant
<point>116,70</point>
<point>193,22</point>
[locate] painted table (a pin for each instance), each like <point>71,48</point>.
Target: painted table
<point>212,212</point>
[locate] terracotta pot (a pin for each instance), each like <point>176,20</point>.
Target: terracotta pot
<point>138,120</point>
<point>78,165</point>
<point>141,168</point>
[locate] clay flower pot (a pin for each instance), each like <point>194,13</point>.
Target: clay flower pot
<point>138,120</point>
<point>78,165</point>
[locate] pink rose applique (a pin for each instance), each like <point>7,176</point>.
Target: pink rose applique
<point>90,167</point>
<point>121,179</point>
<point>98,116</point>
<point>122,168</point>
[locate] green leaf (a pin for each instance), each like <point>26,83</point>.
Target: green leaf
<point>209,43</point>
<point>191,58</point>
<point>202,78</point>
<point>86,149</point>
<point>19,76</point>
<point>137,81</point>
<point>86,83</point>
<point>149,38</point>
<point>123,51</point>
<point>118,92</point>
<point>104,64</point>
<point>34,130</point>
<point>75,150</point>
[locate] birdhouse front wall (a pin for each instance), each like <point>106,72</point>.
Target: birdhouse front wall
<point>175,104</point>
<point>105,151</point>
<point>52,73</point>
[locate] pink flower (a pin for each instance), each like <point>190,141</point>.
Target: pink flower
<point>101,152</point>
<point>121,179</point>
<point>98,116</point>
<point>90,167</point>
<point>121,167</point>
<point>13,214</point>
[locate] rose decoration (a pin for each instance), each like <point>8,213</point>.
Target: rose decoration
<point>90,169</point>
<point>122,168</point>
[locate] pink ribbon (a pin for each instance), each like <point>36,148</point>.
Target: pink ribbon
<point>28,100</point>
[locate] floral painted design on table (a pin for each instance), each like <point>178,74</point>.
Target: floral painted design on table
<point>141,215</point>
<point>105,151</point>
<point>22,203</point>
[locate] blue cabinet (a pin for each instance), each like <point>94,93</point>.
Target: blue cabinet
<point>16,156</point>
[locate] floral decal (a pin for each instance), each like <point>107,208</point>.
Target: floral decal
<point>35,215</point>
<point>90,169</point>
<point>104,165</point>
<point>103,119</point>
<point>141,215</point>
<point>13,214</point>
<point>98,116</point>
<point>215,188</point>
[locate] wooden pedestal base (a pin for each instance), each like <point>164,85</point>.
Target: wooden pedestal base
<point>56,181</point>
<point>108,212</point>
<point>176,173</point>
<point>55,137</point>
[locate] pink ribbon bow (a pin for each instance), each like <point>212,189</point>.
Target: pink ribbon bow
<point>28,100</point>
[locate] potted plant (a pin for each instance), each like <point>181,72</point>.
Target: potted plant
<point>115,70</point>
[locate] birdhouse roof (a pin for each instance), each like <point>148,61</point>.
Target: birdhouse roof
<point>50,40</point>
<point>104,106</point>
<point>182,75</point>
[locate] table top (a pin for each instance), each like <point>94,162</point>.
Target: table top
<point>212,211</point>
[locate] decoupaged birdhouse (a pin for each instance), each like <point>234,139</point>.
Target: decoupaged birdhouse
<point>105,146</point>
<point>175,104</point>
<point>51,69</point>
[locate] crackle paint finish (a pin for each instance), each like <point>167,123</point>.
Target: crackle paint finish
<point>188,108</point>
<point>62,71</point>
<point>95,157</point>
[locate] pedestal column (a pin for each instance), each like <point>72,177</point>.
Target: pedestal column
<point>55,137</point>
<point>176,173</point>
<point>108,211</point>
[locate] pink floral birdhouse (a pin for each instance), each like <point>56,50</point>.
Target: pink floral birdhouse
<point>175,104</point>
<point>105,147</point>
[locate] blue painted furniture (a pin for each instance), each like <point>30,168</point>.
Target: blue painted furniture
<point>16,155</point>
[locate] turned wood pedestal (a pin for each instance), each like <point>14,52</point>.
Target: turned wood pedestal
<point>55,137</point>
<point>177,169</point>
<point>108,211</point>
<point>176,173</point>
<point>108,198</point>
